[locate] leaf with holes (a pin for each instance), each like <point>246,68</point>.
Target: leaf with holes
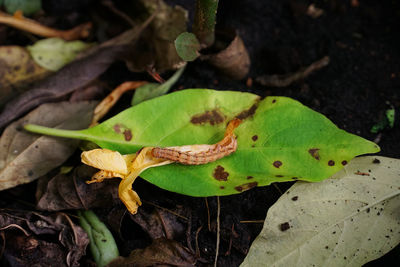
<point>347,220</point>
<point>279,140</point>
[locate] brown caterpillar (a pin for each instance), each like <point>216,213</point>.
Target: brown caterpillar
<point>201,154</point>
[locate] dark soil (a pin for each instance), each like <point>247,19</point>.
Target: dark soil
<point>354,90</point>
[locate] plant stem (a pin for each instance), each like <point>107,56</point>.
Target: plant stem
<point>204,21</point>
<point>55,132</point>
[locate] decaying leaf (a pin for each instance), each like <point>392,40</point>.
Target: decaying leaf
<point>233,61</point>
<point>279,140</point>
<point>69,191</point>
<point>347,220</point>
<point>156,46</point>
<point>24,157</point>
<point>73,76</point>
<point>54,53</point>
<point>162,251</point>
<point>54,236</point>
<point>17,70</point>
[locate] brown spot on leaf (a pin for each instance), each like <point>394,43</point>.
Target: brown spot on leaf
<point>344,162</point>
<point>295,198</point>
<point>222,187</point>
<point>128,135</point>
<point>249,177</point>
<point>245,187</point>
<point>331,163</point>
<point>220,174</point>
<point>361,173</point>
<point>117,128</point>
<point>254,138</point>
<point>277,163</point>
<point>295,178</point>
<point>314,153</point>
<point>213,117</point>
<point>273,101</point>
<point>376,161</point>
<point>278,175</point>
<point>284,226</point>
<point>247,113</point>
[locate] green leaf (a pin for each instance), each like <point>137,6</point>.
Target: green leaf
<point>348,220</point>
<point>55,53</point>
<point>102,243</point>
<point>187,46</point>
<point>282,141</point>
<point>390,116</point>
<point>152,90</point>
<point>28,7</point>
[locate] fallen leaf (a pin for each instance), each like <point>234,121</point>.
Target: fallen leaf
<point>54,236</point>
<point>162,252</point>
<point>54,53</point>
<point>347,220</point>
<point>156,46</point>
<point>70,191</point>
<point>17,70</point>
<point>160,224</point>
<point>28,7</point>
<point>102,243</point>
<point>24,157</point>
<point>279,140</point>
<point>152,90</point>
<point>73,76</point>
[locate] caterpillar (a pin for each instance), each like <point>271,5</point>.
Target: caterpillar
<point>201,154</point>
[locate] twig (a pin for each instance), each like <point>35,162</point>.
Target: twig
<point>156,76</point>
<point>188,234</point>
<point>118,12</point>
<point>277,188</point>
<point>20,22</point>
<point>197,242</point>
<point>165,209</point>
<point>218,232</point>
<point>228,252</point>
<point>277,80</point>
<point>104,106</point>
<point>252,221</point>
<point>208,215</point>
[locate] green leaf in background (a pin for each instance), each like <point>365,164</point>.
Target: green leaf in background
<point>55,53</point>
<point>28,7</point>
<point>152,90</point>
<point>187,46</point>
<point>390,116</point>
<point>102,243</point>
<point>348,220</point>
<point>279,140</point>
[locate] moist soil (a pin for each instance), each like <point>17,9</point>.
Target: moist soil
<point>361,81</point>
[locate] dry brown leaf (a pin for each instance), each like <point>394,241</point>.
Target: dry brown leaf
<point>24,156</point>
<point>162,252</point>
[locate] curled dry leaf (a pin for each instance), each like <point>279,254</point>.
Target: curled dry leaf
<point>347,220</point>
<point>128,167</point>
<point>69,191</point>
<point>24,156</point>
<point>17,70</point>
<point>74,76</point>
<point>162,252</point>
<point>233,61</point>
<point>68,241</point>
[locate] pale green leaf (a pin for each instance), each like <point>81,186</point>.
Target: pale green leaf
<point>152,90</point>
<point>282,141</point>
<point>28,7</point>
<point>55,53</point>
<point>348,220</point>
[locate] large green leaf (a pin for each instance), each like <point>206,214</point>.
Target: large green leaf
<point>348,220</point>
<point>279,140</point>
